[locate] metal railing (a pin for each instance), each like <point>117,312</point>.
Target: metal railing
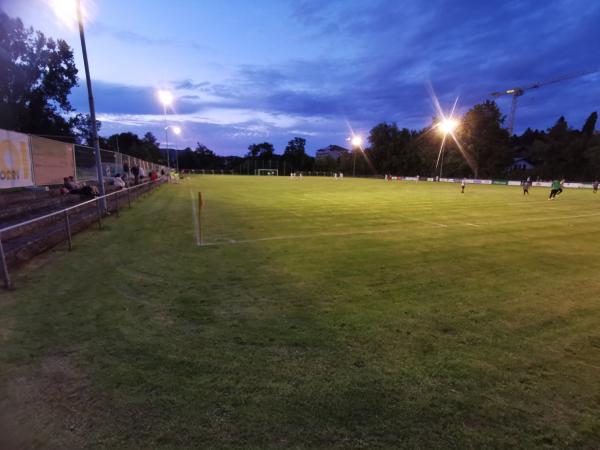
<point>130,192</point>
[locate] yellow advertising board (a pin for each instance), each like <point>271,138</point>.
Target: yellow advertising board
<point>15,160</point>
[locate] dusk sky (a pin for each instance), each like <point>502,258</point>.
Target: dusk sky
<point>252,71</point>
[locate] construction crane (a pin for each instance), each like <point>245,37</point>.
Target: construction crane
<point>519,91</point>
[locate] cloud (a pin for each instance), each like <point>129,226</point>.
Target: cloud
<point>115,98</point>
<point>132,37</point>
<point>372,62</point>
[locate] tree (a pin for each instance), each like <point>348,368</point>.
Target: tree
<point>485,144</point>
<point>130,144</point>
<point>82,129</point>
<point>36,78</point>
<point>590,125</point>
<point>389,151</point>
<point>205,157</point>
<point>262,151</point>
<point>295,154</point>
<point>151,147</point>
<point>560,131</point>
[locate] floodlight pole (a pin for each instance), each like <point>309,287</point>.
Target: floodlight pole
<point>167,136</point>
<point>354,164</point>
<point>92,109</point>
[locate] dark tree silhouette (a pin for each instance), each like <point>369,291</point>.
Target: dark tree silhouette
<point>36,78</point>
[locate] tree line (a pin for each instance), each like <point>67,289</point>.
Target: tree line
<point>38,73</point>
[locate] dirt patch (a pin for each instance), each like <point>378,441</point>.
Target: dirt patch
<point>49,406</point>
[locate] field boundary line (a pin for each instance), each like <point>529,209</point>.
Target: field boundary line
<point>195,217</point>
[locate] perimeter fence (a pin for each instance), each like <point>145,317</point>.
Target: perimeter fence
<point>28,160</point>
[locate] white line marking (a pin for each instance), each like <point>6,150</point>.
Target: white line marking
<point>305,236</point>
<point>228,241</point>
<point>541,219</point>
<point>196,224</point>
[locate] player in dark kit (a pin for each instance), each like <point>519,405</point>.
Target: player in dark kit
<point>595,186</point>
<point>554,189</point>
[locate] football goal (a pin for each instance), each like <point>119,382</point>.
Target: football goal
<point>267,172</point>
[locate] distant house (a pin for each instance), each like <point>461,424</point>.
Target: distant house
<point>332,151</point>
<point>521,164</point>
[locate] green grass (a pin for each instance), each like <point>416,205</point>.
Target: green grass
<point>327,314</point>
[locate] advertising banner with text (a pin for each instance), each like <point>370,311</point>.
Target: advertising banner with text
<point>15,160</point>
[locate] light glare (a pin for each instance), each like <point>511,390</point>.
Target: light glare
<point>448,126</point>
<point>176,130</point>
<point>356,141</point>
<point>165,97</point>
<point>66,11</point>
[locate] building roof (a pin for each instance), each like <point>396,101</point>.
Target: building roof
<point>334,151</point>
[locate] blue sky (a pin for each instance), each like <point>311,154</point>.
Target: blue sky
<point>269,70</point>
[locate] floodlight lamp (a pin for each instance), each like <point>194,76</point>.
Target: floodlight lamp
<point>448,125</point>
<point>165,97</point>
<point>356,141</point>
<point>176,129</point>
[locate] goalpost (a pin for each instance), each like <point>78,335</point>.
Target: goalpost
<point>267,172</point>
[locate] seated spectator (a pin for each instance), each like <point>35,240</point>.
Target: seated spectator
<point>117,181</point>
<point>77,188</point>
<point>71,185</point>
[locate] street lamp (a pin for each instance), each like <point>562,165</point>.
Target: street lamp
<point>177,131</point>
<point>166,98</point>
<point>64,10</point>
<point>356,142</point>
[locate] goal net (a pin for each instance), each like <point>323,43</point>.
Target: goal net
<point>267,172</point>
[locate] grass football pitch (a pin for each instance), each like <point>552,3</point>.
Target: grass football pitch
<point>320,313</point>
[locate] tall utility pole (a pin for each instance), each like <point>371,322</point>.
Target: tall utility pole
<point>92,109</point>
<point>166,98</point>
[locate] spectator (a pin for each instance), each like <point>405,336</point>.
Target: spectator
<point>118,182</point>
<point>142,173</point>
<point>71,185</point>
<point>77,188</point>
<point>153,176</point>
<point>135,171</point>
<point>126,167</point>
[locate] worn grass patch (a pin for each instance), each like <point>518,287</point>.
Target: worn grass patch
<point>323,314</point>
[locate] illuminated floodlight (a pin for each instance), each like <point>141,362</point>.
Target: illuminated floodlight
<point>66,11</point>
<point>165,97</point>
<point>356,141</point>
<point>176,129</point>
<point>447,126</point>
